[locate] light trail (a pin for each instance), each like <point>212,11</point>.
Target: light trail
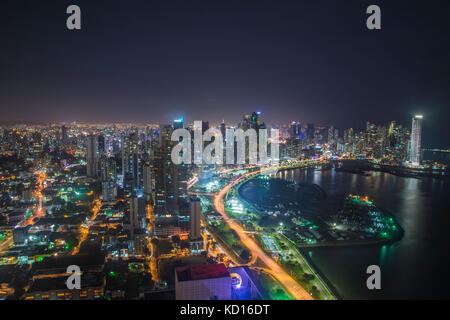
<point>297,291</point>
<point>6,244</point>
<point>85,231</point>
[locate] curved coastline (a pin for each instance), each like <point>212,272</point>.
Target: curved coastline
<point>301,249</point>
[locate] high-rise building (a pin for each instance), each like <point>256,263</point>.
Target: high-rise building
<point>108,168</point>
<point>416,140</point>
<point>130,162</point>
<point>92,156</point>
<point>195,218</point>
<point>223,131</point>
<point>64,134</point>
<point>101,144</point>
<point>178,124</point>
<point>136,216</point>
<point>310,132</point>
<point>147,181</point>
<point>295,130</point>
<point>109,190</point>
<point>331,135</point>
<point>164,180</point>
<point>256,120</point>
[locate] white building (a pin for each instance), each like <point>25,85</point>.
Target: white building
<point>416,140</point>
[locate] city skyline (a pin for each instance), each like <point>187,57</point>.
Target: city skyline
<point>292,61</point>
<point>115,195</point>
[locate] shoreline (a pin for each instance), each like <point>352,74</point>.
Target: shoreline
<point>319,272</point>
<point>302,248</point>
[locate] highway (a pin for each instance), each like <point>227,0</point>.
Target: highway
<point>297,291</point>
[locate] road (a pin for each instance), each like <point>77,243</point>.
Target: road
<point>39,212</point>
<point>6,244</point>
<point>297,291</point>
<point>151,260</point>
<point>84,232</point>
<point>320,285</point>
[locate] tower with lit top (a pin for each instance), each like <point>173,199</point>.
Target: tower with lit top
<point>416,140</point>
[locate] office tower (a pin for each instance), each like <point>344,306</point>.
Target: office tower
<point>101,144</point>
<point>92,156</point>
<point>64,134</point>
<point>109,190</point>
<point>135,163</point>
<point>178,124</point>
<point>380,142</point>
<point>246,122</point>
<point>140,242</point>
<point>137,213</point>
<point>294,144</point>
<point>158,162</point>
<point>162,164</point>
<point>203,282</point>
<point>130,162</point>
<point>255,120</point>
<point>170,179</point>
<point>331,135</point>
<point>391,128</point>
<point>295,130</point>
<point>223,131</point>
<point>416,140</point>
<point>310,132</point>
<point>371,138</point>
<point>348,136</point>
<point>147,181</point>
<point>129,147</point>
<point>108,168</point>
<point>136,225</point>
<point>165,134</point>
<point>336,135</point>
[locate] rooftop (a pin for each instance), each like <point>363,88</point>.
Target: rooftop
<point>201,272</point>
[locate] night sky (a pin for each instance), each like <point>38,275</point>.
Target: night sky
<point>151,61</point>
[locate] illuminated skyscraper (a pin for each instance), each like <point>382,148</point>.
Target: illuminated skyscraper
<point>170,179</point>
<point>295,130</point>
<point>416,140</point>
<point>331,135</point>
<point>178,124</point>
<point>109,191</point>
<point>130,162</point>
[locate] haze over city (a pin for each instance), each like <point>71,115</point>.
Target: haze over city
<point>310,61</point>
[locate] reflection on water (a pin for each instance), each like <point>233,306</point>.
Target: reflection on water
<point>414,267</point>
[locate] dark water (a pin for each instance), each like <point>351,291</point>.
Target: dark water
<point>416,267</point>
